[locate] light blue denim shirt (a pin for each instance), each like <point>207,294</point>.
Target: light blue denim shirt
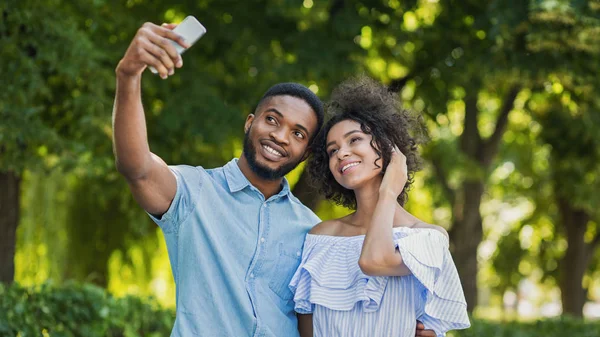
<point>233,253</point>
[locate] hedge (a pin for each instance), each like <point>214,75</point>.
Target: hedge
<point>73,310</point>
<point>553,327</point>
<point>78,310</point>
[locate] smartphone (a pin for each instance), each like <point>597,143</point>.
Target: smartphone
<point>191,30</point>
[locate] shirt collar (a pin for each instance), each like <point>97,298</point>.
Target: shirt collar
<point>237,181</point>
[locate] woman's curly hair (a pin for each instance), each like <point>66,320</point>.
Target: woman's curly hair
<point>379,113</point>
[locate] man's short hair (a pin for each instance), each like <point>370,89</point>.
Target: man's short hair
<point>298,91</point>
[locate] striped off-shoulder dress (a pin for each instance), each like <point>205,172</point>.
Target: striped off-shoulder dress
<point>346,303</point>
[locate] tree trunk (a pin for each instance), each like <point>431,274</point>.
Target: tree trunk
<point>576,259</point>
<point>467,227</point>
<point>466,234</point>
<point>9,219</point>
<point>307,193</point>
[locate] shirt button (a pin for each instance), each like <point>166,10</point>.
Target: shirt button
<point>298,253</point>
<point>262,240</point>
<point>252,275</point>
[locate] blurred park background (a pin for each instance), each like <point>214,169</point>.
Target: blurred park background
<point>508,90</point>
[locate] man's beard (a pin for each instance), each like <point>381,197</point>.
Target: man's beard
<point>261,170</point>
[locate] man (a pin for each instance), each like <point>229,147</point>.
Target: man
<point>234,233</point>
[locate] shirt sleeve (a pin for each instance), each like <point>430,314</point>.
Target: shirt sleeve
<point>189,181</point>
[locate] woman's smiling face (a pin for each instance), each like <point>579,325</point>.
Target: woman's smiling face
<point>352,159</point>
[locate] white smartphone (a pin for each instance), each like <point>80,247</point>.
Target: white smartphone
<point>191,30</point>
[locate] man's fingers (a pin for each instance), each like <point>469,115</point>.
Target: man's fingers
<point>169,26</point>
<point>164,32</point>
<point>152,47</point>
<point>162,54</point>
<point>166,45</point>
<point>154,35</point>
<point>168,33</point>
<point>425,333</point>
<point>420,331</point>
<point>151,60</point>
<point>159,55</point>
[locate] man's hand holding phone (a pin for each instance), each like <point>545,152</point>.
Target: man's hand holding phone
<point>160,47</point>
<point>152,46</point>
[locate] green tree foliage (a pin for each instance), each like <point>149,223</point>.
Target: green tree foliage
<point>562,181</point>
<point>569,123</point>
<point>469,66</point>
<point>50,111</point>
<point>483,73</point>
<point>195,117</point>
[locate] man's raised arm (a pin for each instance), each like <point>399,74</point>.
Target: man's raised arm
<point>152,183</point>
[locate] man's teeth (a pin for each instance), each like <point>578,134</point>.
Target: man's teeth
<point>272,150</point>
<point>347,166</point>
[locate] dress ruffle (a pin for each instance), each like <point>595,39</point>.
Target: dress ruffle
<point>329,275</point>
<point>427,256</point>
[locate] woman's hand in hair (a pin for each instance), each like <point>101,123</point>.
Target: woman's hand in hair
<point>396,174</point>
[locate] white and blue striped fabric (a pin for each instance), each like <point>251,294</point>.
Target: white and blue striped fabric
<point>347,303</point>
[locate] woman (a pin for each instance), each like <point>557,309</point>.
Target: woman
<point>378,270</point>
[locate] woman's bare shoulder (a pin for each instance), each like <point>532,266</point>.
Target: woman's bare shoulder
<point>328,227</point>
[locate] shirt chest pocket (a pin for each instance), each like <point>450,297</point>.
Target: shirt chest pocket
<point>286,263</point>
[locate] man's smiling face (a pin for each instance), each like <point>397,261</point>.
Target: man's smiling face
<point>277,137</point>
